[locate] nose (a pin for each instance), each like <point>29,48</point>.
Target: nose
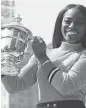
<point>71,25</point>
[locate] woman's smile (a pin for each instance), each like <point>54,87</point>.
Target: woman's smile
<point>71,33</point>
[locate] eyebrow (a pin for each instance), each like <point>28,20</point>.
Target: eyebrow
<point>71,18</point>
<point>68,17</point>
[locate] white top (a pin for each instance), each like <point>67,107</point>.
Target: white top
<point>68,83</point>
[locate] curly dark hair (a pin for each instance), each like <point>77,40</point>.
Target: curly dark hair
<point>57,35</point>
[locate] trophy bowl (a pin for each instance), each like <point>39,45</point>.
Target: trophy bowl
<point>14,44</point>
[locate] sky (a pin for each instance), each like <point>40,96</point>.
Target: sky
<point>39,15</point>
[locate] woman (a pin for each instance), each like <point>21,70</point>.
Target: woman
<point>60,72</point>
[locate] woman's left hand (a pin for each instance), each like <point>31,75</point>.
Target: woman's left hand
<point>39,47</point>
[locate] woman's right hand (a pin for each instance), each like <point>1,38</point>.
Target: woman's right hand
<point>39,47</point>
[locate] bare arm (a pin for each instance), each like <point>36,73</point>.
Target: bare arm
<point>26,78</point>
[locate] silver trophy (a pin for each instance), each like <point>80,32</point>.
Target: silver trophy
<point>14,47</point>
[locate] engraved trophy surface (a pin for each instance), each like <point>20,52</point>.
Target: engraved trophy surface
<point>14,42</point>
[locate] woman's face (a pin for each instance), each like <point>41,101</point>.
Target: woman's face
<point>73,25</point>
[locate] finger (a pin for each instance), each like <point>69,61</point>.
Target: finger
<point>34,39</point>
<point>37,39</point>
<point>40,39</point>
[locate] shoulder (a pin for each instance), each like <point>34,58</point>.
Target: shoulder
<point>80,65</point>
<point>52,52</point>
<point>83,54</point>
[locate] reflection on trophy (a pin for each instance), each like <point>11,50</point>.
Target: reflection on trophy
<point>14,42</point>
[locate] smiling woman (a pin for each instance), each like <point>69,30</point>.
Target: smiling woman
<point>63,22</point>
<point>60,73</point>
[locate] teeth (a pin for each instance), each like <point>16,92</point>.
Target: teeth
<point>70,32</point>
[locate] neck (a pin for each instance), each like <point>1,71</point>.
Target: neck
<point>70,46</point>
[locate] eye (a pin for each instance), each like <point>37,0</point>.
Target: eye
<point>67,21</point>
